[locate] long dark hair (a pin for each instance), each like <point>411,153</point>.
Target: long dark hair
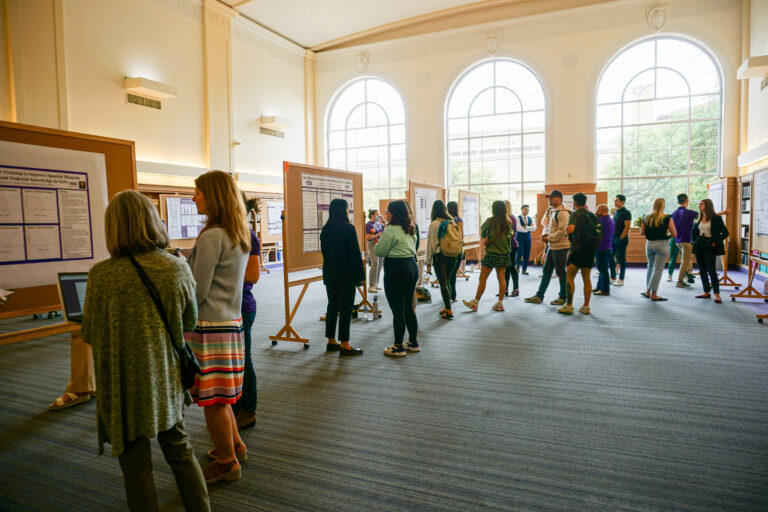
<point>453,208</point>
<point>337,212</point>
<point>709,211</point>
<point>401,216</point>
<point>439,211</point>
<point>500,222</point>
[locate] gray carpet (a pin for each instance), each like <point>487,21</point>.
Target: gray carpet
<point>640,406</point>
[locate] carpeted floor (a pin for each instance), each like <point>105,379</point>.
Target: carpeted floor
<point>640,406</point>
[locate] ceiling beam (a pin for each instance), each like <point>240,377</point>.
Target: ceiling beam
<point>235,3</point>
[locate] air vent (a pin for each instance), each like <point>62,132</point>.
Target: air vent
<point>144,102</point>
<point>272,133</point>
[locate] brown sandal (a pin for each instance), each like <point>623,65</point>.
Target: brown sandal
<point>241,452</point>
<point>216,471</point>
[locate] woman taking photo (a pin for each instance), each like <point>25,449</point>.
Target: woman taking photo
<point>453,210</point>
<point>398,245</point>
<point>496,233</point>
<point>444,265</point>
<point>709,235</point>
<point>343,271</point>
<point>137,368</point>
<point>218,263</point>
<point>656,226</point>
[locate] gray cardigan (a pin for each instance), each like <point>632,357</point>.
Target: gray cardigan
<point>219,270</point>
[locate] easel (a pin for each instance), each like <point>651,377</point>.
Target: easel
<point>460,273</point>
<point>724,279</point>
<point>750,292</point>
<point>267,248</point>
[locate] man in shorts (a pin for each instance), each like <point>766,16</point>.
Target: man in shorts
<point>581,257</point>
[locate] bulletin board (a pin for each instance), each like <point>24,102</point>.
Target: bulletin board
<point>182,221</point>
<point>308,191</point>
<point>760,211</point>
<point>384,203</point>
<point>421,197</point>
<point>119,164</point>
<point>271,225</point>
<point>469,208</point>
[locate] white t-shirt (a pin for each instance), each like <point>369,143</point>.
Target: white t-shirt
<point>705,228</point>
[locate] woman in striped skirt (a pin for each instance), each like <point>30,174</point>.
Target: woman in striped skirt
<point>218,263</point>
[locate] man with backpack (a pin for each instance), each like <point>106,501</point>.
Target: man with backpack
<point>555,235</point>
<point>586,233</point>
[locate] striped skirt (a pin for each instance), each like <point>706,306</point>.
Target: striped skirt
<point>219,348</point>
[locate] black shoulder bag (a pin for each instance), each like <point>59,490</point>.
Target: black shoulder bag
<point>189,367</point>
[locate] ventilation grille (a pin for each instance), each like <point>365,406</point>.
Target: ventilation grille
<point>272,133</point>
<point>144,102</point>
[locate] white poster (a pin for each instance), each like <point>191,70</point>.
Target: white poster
<point>317,192</point>
<point>760,200</point>
<point>274,212</point>
<point>591,202</point>
<point>184,223</point>
<point>716,195</point>
<point>52,204</point>
<point>423,199</point>
<point>471,215</point>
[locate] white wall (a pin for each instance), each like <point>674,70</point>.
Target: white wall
<point>757,119</point>
<point>568,50</point>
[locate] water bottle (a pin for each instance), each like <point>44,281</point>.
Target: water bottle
<point>375,307</point>
<point>366,314</point>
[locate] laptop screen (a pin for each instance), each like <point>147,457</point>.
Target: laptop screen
<point>72,286</point>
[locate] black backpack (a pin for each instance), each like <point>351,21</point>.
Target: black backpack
<point>592,234</point>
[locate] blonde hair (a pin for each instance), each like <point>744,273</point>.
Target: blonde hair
<point>132,225</point>
<point>224,207</point>
<point>509,208</point>
<point>656,217</point>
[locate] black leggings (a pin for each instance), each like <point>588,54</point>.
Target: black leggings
<point>340,302</point>
<point>444,267</point>
<point>705,256</point>
<point>456,265</point>
<point>400,276</point>
<point>512,271</point>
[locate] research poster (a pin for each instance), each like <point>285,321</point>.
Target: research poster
<point>591,202</point>
<point>52,204</point>
<point>317,192</point>
<point>471,215</point>
<point>183,220</point>
<point>760,190</point>
<point>716,195</point>
<point>274,212</point>
<point>423,199</point>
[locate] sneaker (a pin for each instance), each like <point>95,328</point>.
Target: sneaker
<point>534,300</point>
<point>619,282</point>
<point>600,292</point>
<point>584,310</point>
<point>412,346</point>
<point>681,284</point>
<point>378,288</point>
<point>525,273</point>
<point>395,351</point>
<point>566,309</point>
<point>669,278</point>
<point>498,306</point>
<point>558,302</point>
<point>372,289</point>
<point>691,280</point>
<point>471,304</point>
<point>215,471</point>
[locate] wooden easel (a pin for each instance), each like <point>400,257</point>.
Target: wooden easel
<point>750,292</point>
<point>724,279</point>
<point>468,247</point>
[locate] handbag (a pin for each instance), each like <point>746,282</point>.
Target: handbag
<point>189,367</point>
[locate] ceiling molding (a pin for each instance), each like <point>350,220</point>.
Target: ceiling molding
<point>244,26</point>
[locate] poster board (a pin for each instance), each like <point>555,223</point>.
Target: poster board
<point>383,203</point>
<point>469,208</point>
<point>271,225</point>
<point>760,211</point>
<point>110,166</point>
<point>308,190</point>
<point>421,197</point>
<point>179,212</point>
<point>592,201</point>
<point>716,190</point>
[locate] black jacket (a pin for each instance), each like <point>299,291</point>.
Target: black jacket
<point>342,261</point>
<point>719,234</point>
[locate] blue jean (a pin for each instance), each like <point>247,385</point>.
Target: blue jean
<point>247,401</point>
<point>620,254</point>
<point>523,250</point>
<point>604,260</point>
<point>656,251</point>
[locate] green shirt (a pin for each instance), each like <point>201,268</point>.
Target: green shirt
<point>396,243</point>
<point>500,242</point>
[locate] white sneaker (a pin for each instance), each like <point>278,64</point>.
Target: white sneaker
<point>378,288</point>
<point>471,304</point>
<point>498,306</point>
<point>619,282</point>
<point>372,289</point>
<point>584,310</point>
<point>669,278</point>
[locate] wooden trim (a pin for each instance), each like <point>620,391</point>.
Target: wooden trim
<point>38,332</point>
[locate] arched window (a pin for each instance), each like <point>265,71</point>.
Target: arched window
<point>365,132</point>
<point>658,123</point>
<point>495,118</point>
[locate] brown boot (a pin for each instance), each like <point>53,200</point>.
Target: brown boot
<point>245,419</point>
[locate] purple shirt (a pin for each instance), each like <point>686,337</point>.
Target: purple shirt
<point>249,303</point>
<point>683,218</point>
<point>608,228</point>
<point>373,228</point>
<point>513,243</point>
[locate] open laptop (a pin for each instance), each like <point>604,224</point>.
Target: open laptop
<point>72,294</point>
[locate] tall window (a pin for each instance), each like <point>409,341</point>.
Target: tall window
<point>658,123</point>
<point>495,119</point>
<point>365,132</point>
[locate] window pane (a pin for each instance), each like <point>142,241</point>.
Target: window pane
<point>641,193</point>
<point>534,156</point>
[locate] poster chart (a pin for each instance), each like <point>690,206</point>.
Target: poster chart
<point>591,201</point>
<point>760,200</point>
<point>183,220</point>
<point>317,192</point>
<point>716,195</point>
<point>470,213</point>
<point>423,199</point>
<point>274,212</point>
<point>45,215</point>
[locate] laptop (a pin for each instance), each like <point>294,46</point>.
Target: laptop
<point>72,293</point>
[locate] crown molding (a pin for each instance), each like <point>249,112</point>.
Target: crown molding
<point>257,36</point>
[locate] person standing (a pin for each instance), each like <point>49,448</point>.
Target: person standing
<point>445,266</point>
<point>343,271</point>
<point>525,226</point>
<point>556,237</point>
<point>655,227</point>
<point>218,262</point>
<point>398,246</point>
<point>709,235</point>
<point>453,210</point>
<point>684,219</point>
<point>511,271</point>
<point>373,229</point>
<point>622,219</point>
<point>604,251</point>
<point>496,233</point>
<point>137,369</point>
<point>582,229</point>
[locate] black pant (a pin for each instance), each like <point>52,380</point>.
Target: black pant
<point>556,260</point>
<point>340,302</point>
<point>512,271</point>
<point>444,268</point>
<point>456,265</point>
<point>400,277</point>
<point>705,256</point>
<point>248,400</point>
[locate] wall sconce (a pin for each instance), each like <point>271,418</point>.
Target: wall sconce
<point>274,123</point>
<point>146,87</point>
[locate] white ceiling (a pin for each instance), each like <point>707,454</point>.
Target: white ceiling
<point>312,22</point>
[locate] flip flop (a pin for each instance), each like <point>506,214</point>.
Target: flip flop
<point>74,399</point>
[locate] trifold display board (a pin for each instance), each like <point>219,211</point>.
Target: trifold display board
<point>54,189</point>
<point>760,211</point>
<point>421,197</point>
<point>469,208</point>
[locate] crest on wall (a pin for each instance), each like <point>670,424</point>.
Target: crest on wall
<point>361,63</point>
<point>657,18</point>
<point>492,44</point>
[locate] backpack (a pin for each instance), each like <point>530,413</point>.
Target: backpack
<point>450,239</point>
<point>592,234</point>
<point>423,295</point>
